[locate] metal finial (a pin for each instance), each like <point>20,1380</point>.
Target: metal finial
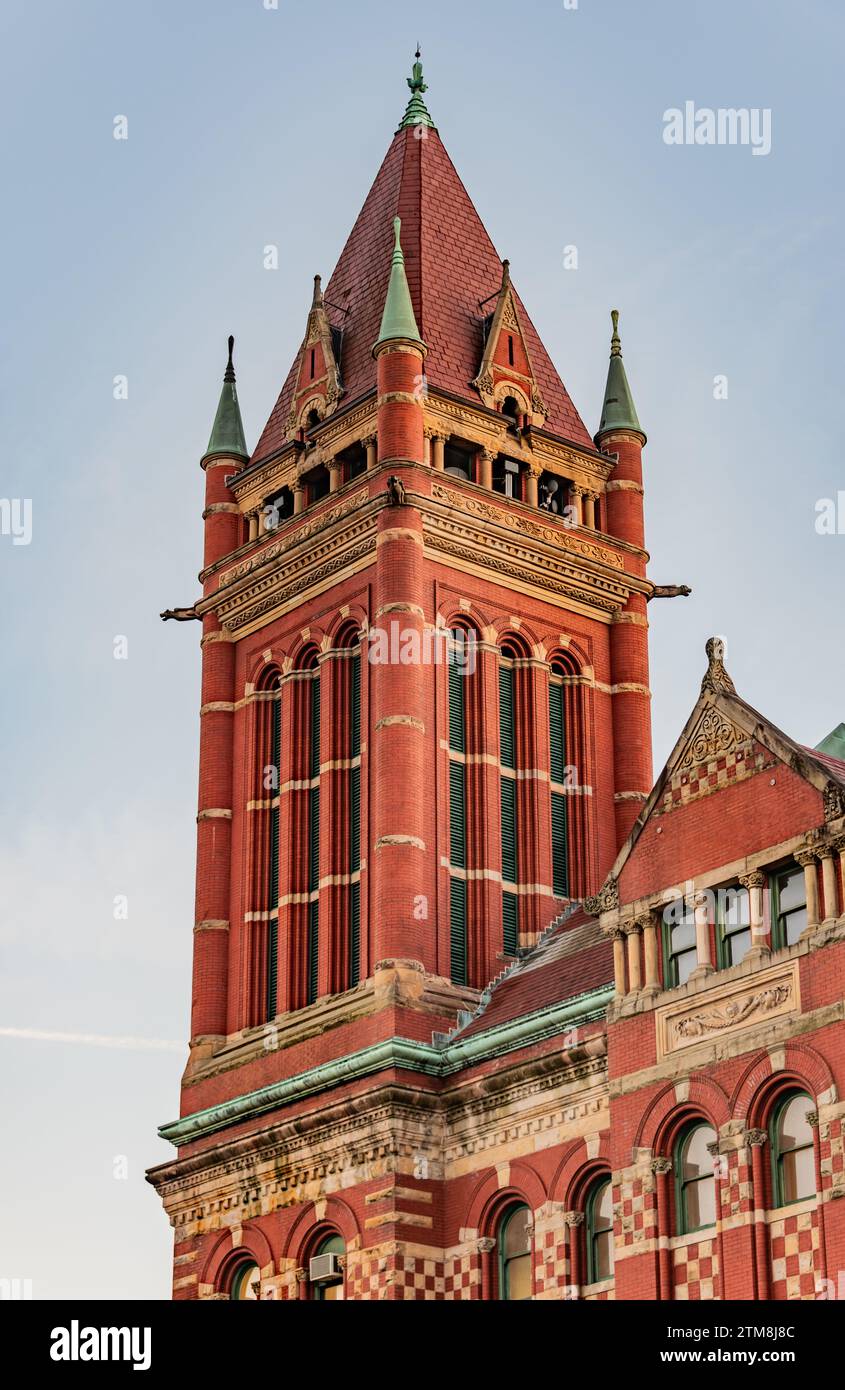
<point>229,374</point>
<point>615,341</point>
<point>416,81</point>
<point>318,291</point>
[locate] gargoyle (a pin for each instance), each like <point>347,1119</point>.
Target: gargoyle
<point>671,591</point>
<point>181,615</point>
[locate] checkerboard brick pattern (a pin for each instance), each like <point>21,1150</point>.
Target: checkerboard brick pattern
<point>734,1187</point>
<point>635,1208</point>
<point>695,1270</point>
<point>832,1152</point>
<point>462,1276</point>
<point>795,1255</point>
<point>694,782</point>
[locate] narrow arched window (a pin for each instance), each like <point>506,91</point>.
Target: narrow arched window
<point>355,820</point>
<point>313,950</point>
<point>246,1283</point>
<point>695,1179</point>
<point>459,968</point>
<point>557,736</point>
<point>600,1232</point>
<point>264,812</point>
<point>509,798</point>
<point>325,1270</point>
<point>793,1150</point>
<point>514,1242</point>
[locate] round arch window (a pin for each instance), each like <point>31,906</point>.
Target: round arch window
<point>515,1237</point>
<point>330,1290</point>
<point>696,1179</point>
<point>246,1284</point>
<point>793,1151</point>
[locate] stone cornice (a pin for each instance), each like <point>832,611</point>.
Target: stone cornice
<point>399,1053</point>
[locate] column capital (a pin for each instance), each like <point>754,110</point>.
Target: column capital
<point>806,857</point>
<point>632,927</point>
<point>575,490</point>
<point>301,1276</point>
<point>813,1119</point>
<point>660,1166</point>
<point>573,1218</point>
<point>756,1138</point>
<point>485,1245</point>
<point>756,879</point>
<point>369,441</point>
<point>645,920</point>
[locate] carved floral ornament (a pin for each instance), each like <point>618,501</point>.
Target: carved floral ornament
<point>679,1027</point>
<point>712,736</point>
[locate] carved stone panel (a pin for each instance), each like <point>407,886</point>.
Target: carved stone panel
<point>754,1000</point>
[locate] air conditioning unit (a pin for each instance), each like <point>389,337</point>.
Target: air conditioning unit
<point>324,1268</point>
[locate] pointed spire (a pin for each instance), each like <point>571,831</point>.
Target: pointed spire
<point>416,113</point>
<point>227,432</point>
<point>317,301</point>
<point>398,320</point>
<point>618,411</point>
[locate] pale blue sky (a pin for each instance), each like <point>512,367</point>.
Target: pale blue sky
<point>247,127</point>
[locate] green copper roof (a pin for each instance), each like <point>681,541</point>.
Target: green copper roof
<point>834,745</point>
<point>398,320</point>
<point>417,112</point>
<point>618,411</point>
<point>227,432</point>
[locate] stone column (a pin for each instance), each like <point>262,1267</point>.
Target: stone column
<point>574,1222</point>
<point>485,1247</point>
<point>701,905</point>
<point>335,468</point>
<point>839,847</point>
<point>755,1139</point>
<point>648,925</point>
<point>532,486</point>
<point>662,1168</point>
<point>619,962</point>
<point>253,520</point>
<point>371,446</point>
<point>807,859</point>
<point>438,448</point>
<point>830,886</point>
<point>635,977</point>
<point>590,510</point>
<point>485,469</point>
<point>754,883</point>
<point>576,497</point>
<point>298,497</point>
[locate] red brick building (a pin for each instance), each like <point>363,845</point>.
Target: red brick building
<point>476,1012</point>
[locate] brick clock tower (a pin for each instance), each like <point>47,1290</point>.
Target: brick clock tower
<point>425,739</point>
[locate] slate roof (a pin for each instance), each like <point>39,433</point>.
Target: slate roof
<point>451,265</point>
<point>572,958</point>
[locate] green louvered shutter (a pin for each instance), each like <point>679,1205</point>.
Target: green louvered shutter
<point>509,855</point>
<point>510,918</point>
<point>273,876</point>
<point>457,736</point>
<point>457,815</point>
<point>355,826</point>
<point>507,741</point>
<point>314,844</point>
<point>558,749</point>
<point>458,929</point>
<point>313,949</point>
<point>557,739</point>
<point>560,850</point>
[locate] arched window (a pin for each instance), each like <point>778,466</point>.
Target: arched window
<point>558,781</point>
<point>600,1232</point>
<point>793,1150</point>
<point>459,967</point>
<point>313,832</point>
<point>266,803</point>
<point>514,1242</point>
<point>325,1272</point>
<point>509,795</point>
<point>246,1283</point>
<point>345,952</point>
<point>695,1179</point>
<point>312,420</point>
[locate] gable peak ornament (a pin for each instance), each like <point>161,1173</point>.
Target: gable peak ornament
<point>716,679</point>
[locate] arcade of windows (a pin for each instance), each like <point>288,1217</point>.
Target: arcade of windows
<point>693,1164</point>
